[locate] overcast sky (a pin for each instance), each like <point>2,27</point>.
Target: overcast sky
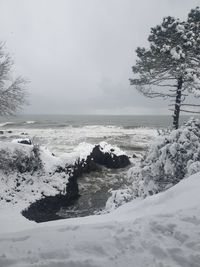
<point>78,53</point>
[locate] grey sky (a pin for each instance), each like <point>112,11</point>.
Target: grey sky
<point>78,53</point>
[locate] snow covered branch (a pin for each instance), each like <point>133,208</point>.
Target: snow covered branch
<point>12,92</point>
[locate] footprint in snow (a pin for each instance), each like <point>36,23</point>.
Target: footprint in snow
<point>15,239</point>
<point>69,228</point>
<point>192,220</point>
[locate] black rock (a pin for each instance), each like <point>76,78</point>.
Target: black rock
<point>1,132</point>
<point>46,208</point>
<point>25,142</point>
<point>109,160</point>
<point>60,169</point>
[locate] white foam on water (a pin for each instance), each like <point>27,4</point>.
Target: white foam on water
<point>30,122</point>
<point>6,123</point>
<point>64,140</point>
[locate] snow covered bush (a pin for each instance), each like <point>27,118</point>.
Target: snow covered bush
<point>21,158</point>
<point>118,198</point>
<point>28,172</point>
<point>169,159</point>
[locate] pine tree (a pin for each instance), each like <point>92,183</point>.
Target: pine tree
<point>170,67</point>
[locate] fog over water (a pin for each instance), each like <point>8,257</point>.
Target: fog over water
<point>78,54</point>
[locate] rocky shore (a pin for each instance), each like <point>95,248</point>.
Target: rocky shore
<point>47,208</point>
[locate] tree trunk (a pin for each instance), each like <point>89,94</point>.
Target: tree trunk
<point>177,103</point>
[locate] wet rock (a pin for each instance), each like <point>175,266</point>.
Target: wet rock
<point>109,160</point>
<point>25,142</point>
<point>46,209</point>
<point>60,169</point>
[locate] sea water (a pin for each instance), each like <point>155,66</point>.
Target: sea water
<point>62,133</point>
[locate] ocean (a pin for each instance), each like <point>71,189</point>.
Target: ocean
<point>62,133</point>
<point>59,121</point>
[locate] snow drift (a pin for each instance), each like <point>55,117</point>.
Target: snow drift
<point>29,172</point>
<point>161,230</point>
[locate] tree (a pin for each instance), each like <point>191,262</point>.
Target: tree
<point>169,159</point>
<point>12,92</point>
<point>170,67</point>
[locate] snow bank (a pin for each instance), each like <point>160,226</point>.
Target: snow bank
<point>162,230</point>
<point>28,172</point>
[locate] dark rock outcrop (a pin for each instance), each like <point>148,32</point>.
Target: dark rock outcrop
<point>46,208</point>
<point>25,142</point>
<point>109,160</point>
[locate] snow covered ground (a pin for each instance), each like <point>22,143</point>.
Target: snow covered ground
<point>160,231</point>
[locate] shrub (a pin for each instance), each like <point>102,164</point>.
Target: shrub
<point>169,159</point>
<point>20,158</point>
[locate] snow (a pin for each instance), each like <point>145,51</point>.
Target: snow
<point>84,149</point>
<point>171,40</point>
<point>175,55</point>
<point>180,28</point>
<point>107,148</point>
<point>81,151</point>
<point>50,161</point>
<point>169,159</point>
<point>161,230</point>
<point>165,48</point>
<point>25,186</point>
<point>118,198</point>
<point>15,146</point>
<point>29,172</point>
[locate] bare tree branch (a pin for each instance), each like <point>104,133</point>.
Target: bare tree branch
<point>188,111</point>
<point>13,94</point>
<point>191,105</point>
